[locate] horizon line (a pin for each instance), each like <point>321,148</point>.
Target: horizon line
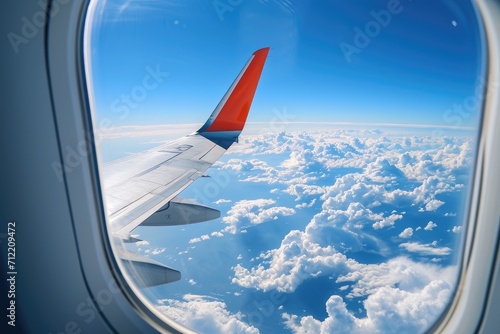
<point>381,124</point>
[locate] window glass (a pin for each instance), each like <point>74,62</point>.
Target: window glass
<point>344,202</point>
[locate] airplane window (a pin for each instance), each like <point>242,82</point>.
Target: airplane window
<point>288,166</point>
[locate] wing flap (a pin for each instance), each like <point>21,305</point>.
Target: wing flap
<point>128,218</point>
<point>180,211</point>
<point>149,272</point>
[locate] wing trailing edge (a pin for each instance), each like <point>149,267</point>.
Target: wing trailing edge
<point>181,211</point>
<point>228,119</point>
<point>149,272</point>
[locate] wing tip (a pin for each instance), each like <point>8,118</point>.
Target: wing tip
<point>264,50</point>
<point>229,117</point>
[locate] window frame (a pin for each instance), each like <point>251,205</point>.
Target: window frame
<point>468,311</point>
<point>64,52</point>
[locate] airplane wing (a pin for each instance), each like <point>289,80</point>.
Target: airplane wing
<point>142,189</point>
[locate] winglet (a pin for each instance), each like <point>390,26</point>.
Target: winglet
<point>228,119</point>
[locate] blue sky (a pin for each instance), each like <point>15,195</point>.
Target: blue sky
<point>425,60</point>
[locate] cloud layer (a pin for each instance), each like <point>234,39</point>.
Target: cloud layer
<point>368,185</point>
<point>204,314</point>
<point>378,216</point>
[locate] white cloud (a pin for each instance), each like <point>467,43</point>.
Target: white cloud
<point>299,188</point>
<point>220,201</point>
<point>247,213</point>
<point>425,249</point>
<point>433,205</point>
<point>247,165</point>
<point>396,171</point>
<point>388,221</point>
<point>300,257</point>
<point>385,162</point>
<point>305,205</point>
<point>402,272</point>
<point>194,240</point>
<point>339,320</point>
<point>430,226</point>
<point>157,251</point>
<point>388,310</point>
<point>154,251</point>
<point>205,314</point>
<point>456,229</point>
<point>297,259</point>
<point>396,310</point>
<point>378,178</point>
<point>408,232</point>
<point>356,215</point>
<point>202,238</point>
<point>255,170</point>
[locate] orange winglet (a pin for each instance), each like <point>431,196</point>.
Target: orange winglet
<point>232,111</point>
